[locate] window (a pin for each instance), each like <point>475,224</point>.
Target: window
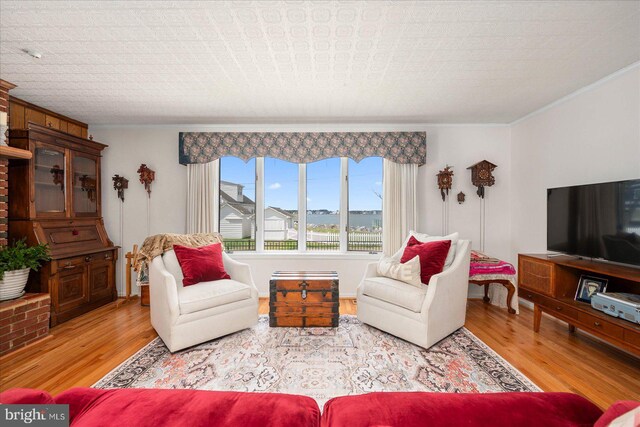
<point>280,205</point>
<point>365,205</point>
<point>238,204</point>
<point>332,205</point>
<point>323,205</point>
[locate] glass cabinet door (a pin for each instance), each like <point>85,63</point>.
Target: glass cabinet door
<point>85,185</point>
<point>49,180</point>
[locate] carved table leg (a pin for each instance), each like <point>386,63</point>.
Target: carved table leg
<point>486,293</point>
<point>510,291</point>
<point>537,316</point>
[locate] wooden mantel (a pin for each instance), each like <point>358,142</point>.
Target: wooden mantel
<point>7,152</point>
<point>14,153</point>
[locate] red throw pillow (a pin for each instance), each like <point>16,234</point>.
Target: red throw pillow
<point>432,256</point>
<point>201,264</point>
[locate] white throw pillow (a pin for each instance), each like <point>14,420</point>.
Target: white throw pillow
<point>424,238</point>
<point>628,419</point>
<point>409,272</point>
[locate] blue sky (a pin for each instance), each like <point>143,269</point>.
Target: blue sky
<point>323,182</point>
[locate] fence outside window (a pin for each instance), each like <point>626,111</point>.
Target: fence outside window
<point>357,241</point>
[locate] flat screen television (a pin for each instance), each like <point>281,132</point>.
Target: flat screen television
<point>600,221</point>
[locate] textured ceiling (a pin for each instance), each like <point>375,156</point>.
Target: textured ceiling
<point>315,61</point>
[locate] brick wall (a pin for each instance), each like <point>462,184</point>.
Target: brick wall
<point>5,87</point>
<point>4,200</point>
<point>23,321</point>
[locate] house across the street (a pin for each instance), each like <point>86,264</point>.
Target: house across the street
<point>237,212</point>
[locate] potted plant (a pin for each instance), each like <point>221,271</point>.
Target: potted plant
<point>15,263</point>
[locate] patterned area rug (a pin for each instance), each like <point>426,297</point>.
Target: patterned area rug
<point>322,363</point>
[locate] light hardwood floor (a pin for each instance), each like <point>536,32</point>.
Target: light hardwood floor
<point>85,349</point>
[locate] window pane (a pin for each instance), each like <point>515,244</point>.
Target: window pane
<point>84,185</point>
<point>280,205</point>
<point>50,180</point>
<point>323,205</point>
<point>237,203</point>
<point>365,205</point>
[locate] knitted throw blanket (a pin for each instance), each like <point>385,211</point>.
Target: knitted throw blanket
<point>154,246</point>
<point>484,264</point>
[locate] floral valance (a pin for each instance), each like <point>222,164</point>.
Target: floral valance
<point>303,147</point>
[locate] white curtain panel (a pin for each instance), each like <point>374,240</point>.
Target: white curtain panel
<point>399,208</point>
<point>202,195</point>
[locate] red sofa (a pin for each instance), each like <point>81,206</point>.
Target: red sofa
<point>194,408</point>
<point>413,409</point>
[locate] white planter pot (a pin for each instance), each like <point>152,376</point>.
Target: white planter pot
<point>13,283</point>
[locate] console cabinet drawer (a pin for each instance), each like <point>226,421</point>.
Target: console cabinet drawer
<point>632,337</point>
<point>553,306</point>
<point>536,275</point>
<point>529,296</point>
<point>600,325</point>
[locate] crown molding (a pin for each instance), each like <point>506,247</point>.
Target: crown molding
<point>578,92</point>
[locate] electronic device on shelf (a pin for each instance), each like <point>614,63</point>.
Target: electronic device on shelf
<point>617,304</point>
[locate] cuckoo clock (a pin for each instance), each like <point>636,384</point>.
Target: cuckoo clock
<point>147,176</point>
<point>461,197</point>
<point>120,183</point>
<point>445,179</point>
<point>481,176</point>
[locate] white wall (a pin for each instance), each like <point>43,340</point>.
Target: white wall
<point>461,147</point>
<point>157,146</point>
<point>593,136</point>
<point>128,148</point>
<point>350,267</point>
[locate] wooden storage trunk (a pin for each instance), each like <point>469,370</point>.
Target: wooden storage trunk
<point>304,299</point>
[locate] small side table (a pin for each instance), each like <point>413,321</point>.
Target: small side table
<point>485,270</point>
<point>511,290</point>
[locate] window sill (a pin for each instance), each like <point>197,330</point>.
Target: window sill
<point>307,255</point>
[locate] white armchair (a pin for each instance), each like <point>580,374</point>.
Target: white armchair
<point>422,316</point>
<point>188,315</point>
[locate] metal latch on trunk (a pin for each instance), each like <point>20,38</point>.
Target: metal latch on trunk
<point>304,286</point>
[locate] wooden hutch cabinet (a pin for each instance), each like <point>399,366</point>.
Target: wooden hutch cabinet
<point>55,199</point>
